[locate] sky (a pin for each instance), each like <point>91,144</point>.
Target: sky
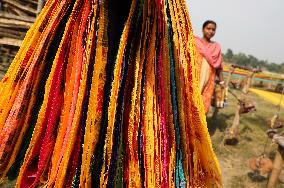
<point>253,27</point>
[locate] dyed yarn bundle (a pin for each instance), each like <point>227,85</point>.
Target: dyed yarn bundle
<point>77,110</point>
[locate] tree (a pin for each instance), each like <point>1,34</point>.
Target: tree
<point>229,55</point>
<point>251,61</point>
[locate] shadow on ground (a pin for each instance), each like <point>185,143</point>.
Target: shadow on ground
<point>218,122</point>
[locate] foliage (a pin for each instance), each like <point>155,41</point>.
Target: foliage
<point>251,61</point>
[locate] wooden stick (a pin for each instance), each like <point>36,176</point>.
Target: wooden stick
<point>28,19</point>
<point>20,6</point>
<point>14,23</point>
<point>10,42</point>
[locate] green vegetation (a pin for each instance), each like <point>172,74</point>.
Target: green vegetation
<point>249,60</point>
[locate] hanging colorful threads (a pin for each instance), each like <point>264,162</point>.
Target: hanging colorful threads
<point>90,101</point>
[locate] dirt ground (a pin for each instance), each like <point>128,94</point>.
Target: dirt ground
<point>252,140</point>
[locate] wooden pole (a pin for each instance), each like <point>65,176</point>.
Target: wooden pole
<point>248,83</point>
<point>231,136</point>
<point>277,167</point>
<point>236,121</point>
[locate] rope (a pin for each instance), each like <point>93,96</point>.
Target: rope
<point>265,145</point>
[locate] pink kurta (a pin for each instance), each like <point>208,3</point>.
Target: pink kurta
<point>209,59</point>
